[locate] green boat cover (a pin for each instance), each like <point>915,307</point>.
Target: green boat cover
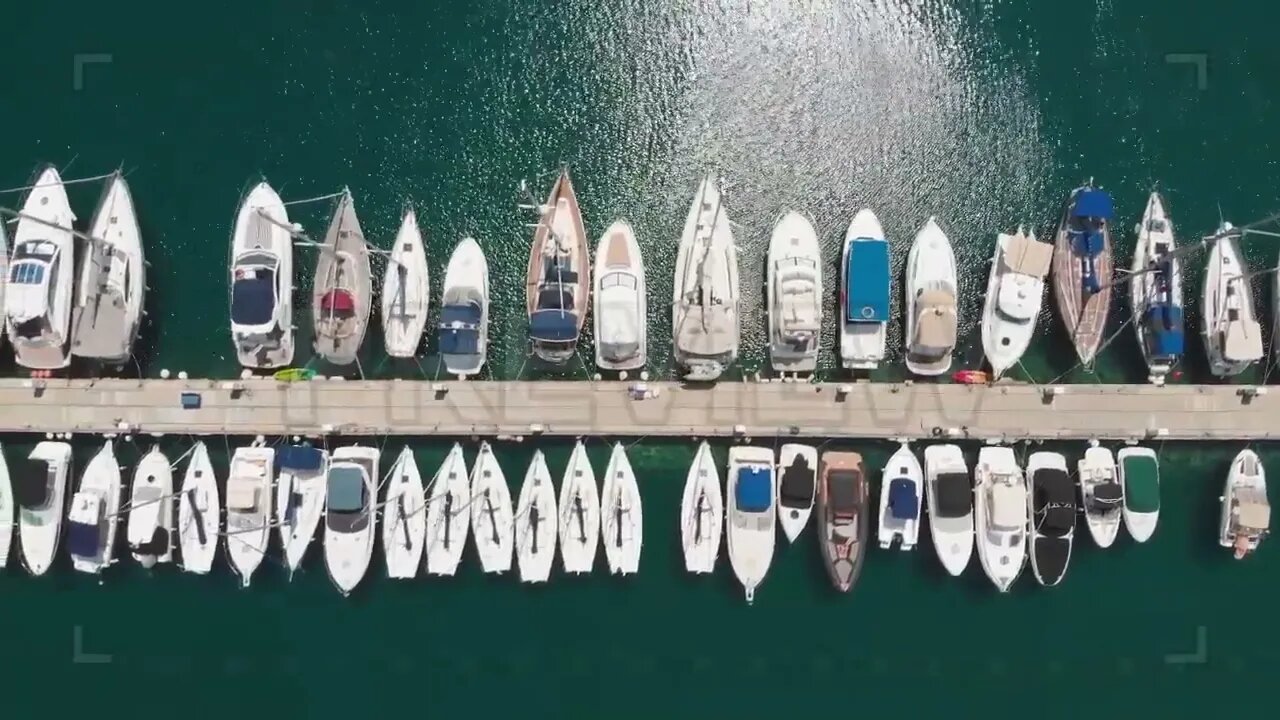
<point>1141,484</point>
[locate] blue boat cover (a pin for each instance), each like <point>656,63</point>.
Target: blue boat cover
<point>464,313</point>
<point>253,300</point>
<point>866,280</point>
<point>299,457</point>
<point>553,325</point>
<point>346,490</point>
<point>754,492</point>
<point>83,539</point>
<point>1165,335</point>
<point>903,503</point>
<point>458,329</point>
<point>1091,203</point>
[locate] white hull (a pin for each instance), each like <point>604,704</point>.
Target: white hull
<point>38,306</point>
<point>115,225</point>
<point>8,508</point>
<point>465,279</point>
<point>1097,466</point>
<point>1225,290</point>
<point>264,341</point>
<point>862,344</point>
<point>952,536</point>
<point>794,519</point>
<point>299,507</point>
<point>1247,483</point>
<point>701,513</point>
<point>751,535</point>
<point>1039,462</point>
<point>621,515</point>
<point>621,304</point>
<point>249,509</point>
<point>404,518</point>
<point>901,523</point>
<point>705,296</point>
<point>199,513</point>
<point>349,535</point>
<point>40,527</point>
<point>794,295</point>
<point>100,488</point>
<point>931,267</point>
<point>1141,525</point>
<point>535,526</point>
<point>150,528</point>
<point>1000,515</point>
<point>1015,294</point>
<point>406,291</point>
<point>448,517</point>
<point>579,508</point>
<point>491,514</point>
<point>1154,233</point>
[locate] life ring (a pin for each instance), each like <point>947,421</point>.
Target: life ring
<point>867,312</point>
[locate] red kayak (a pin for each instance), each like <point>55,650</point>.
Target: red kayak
<point>971,377</point>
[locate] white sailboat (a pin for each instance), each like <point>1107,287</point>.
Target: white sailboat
<point>701,513</point>
<point>300,494</point>
<point>1140,481</point>
<point>404,520</point>
<point>864,293</point>
<point>150,529</point>
<point>1155,292</point>
<point>38,297</point>
<point>199,513</point>
<point>108,310</point>
<point>349,515</point>
<point>579,508</point>
<point>797,487</point>
<point>406,291</point>
<point>7,506</point>
<point>751,515</point>
<point>41,493</point>
<point>1101,494</point>
<point>464,312</point>
<point>1246,511</point>
<point>1000,515</point>
<point>949,494</point>
<point>535,526</point>
<point>262,281</point>
<point>621,310</point>
<point>900,496</point>
<point>448,514</point>
<point>794,295</point>
<point>931,292</point>
<point>1015,293</point>
<point>249,509</point>
<point>621,515</point>
<point>95,514</point>
<point>4,281</point>
<point>491,514</point>
<point>1233,339</point>
<point>704,306</point>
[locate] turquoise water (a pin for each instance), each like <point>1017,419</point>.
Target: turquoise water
<point>983,113</point>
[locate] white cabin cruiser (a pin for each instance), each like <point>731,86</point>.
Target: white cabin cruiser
<point>931,292</point>
<point>491,514</point>
<point>751,515</point>
<point>1000,513</point>
<point>150,527</point>
<point>1101,495</point>
<point>900,495</point>
<point>301,486</point>
<point>797,487</point>
<point>199,513</point>
<point>950,497</point>
<point>448,514</point>
<point>41,493</point>
<point>406,291</point>
<point>701,513</point>
<point>108,310</point>
<point>249,509</point>
<point>864,293</point>
<point>1233,338</point>
<point>404,520</point>
<point>621,516</point>
<point>535,525</point>
<point>38,295</point>
<point>1246,511</point>
<point>579,508</point>
<point>262,281</point>
<point>464,311</point>
<point>1015,293</point>
<point>95,514</point>
<point>349,515</point>
<point>704,306</point>
<point>794,295</point>
<point>1155,292</point>
<point>621,312</point>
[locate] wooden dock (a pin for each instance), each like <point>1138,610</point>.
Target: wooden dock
<point>576,408</point>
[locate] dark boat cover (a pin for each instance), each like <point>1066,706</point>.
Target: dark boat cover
<point>1054,502</point>
<point>954,495</point>
<point>253,296</point>
<point>1051,557</point>
<point>842,489</point>
<point>299,457</point>
<point>157,545</point>
<point>32,488</point>
<point>754,491</point>
<point>553,325</point>
<point>459,333</point>
<point>796,486</point>
<point>904,504</point>
<point>83,539</point>
<point>1107,496</point>
<point>345,500</point>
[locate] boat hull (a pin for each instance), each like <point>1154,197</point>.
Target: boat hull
<point>1155,242</point>
<point>621,515</point>
<point>1083,313</point>
<point>794,295</point>
<point>491,514</point>
<point>406,291</point>
<point>404,522</point>
<point>621,306</point>
<point>342,292</point>
<point>560,240</point>
<point>150,529</point>
<point>535,530</point>
<point>38,314</point>
<point>705,295</point>
<point>113,282</point>
<point>862,342</point>
<point>901,523</point>
<point>701,513</point>
<point>466,283</point>
<point>262,224</point>
<point>448,515</point>
<point>752,535</point>
<point>952,536</point>
<point>199,513</point>
<point>931,268</point>
<point>579,508</point>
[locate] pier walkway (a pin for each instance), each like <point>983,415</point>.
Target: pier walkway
<point>572,408</point>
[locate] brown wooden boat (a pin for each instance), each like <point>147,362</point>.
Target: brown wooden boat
<point>842,516</point>
<point>557,285</point>
<point>1082,267</point>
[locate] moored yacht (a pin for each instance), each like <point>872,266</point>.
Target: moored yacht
<point>38,295</point>
<point>199,513</point>
<point>406,291</point>
<point>535,525</point>
<point>794,295</point>
<point>704,306</point>
<point>1155,292</point>
<point>342,291</point>
<point>557,281</point>
<point>950,497</point>
<point>1140,481</point>
<point>448,514</point>
<point>864,293</point>
<point>108,310</point>
<point>1082,267</point>
<point>249,509</point>
<point>1015,292</point>
<point>7,507</point>
<point>579,508</point>
<point>931,292</point>
<point>843,510</point>
<point>621,515</point>
<point>701,513</point>
<point>900,494</point>
<point>1101,494</point>
<point>491,514</point>
<point>464,312</point>
<point>301,473</point>
<point>1232,336</point>
<point>1000,515</point>
<point>349,516</point>
<point>1246,511</point>
<point>404,522</point>
<point>751,515</point>
<point>262,281</point>
<point>41,493</point>
<point>621,311</point>
<point>797,487</point>
<point>1052,507</point>
<point>95,513</point>
<point>150,529</point>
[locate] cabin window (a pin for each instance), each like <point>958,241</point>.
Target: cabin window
<point>26,274</point>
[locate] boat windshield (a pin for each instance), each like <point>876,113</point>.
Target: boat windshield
<point>27,273</point>
<point>35,250</point>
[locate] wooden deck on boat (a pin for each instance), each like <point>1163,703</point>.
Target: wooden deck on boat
<point>572,408</point>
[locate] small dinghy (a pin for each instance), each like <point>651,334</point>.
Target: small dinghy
<point>931,292</point>
<point>579,508</point>
<point>448,514</point>
<point>404,520</point>
<point>621,312</point>
<point>150,528</point>
<point>1246,511</point>
<point>1052,504</point>
<point>557,281</point>
<point>903,486</point>
<point>491,516</point>
<point>41,493</point>
<point>535,527</point>
<point>1232,335</point>
<point>701,513</point>
<point>1155,292</point>
<point>704,305</point>
<point>406,291</point>
<point>199,513</point>
<point>864,293</point>
<point>842,517</point>
<point>38,295</point>
<point>621,516</point>
<point>1082,269</point>
<point>343,287</point>
<point>300,493</point>
<point>1140,482</point>
<point>751,515</point>
<point>249,509</point>
<point>262,281</point>
<point>794,290</point>
<point>1000,515</point>
<point>349,515</point>
<point>1015,293</point>
<point>950,497</point>
<point>108,310</point>
<point>1101,494</point>
<point>7,508</point>
<point>464,311</point>
<point>95,513</point>
<point>797,485</point>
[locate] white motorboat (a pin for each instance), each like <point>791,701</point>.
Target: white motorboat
<point>108,310</point>
<point>199,513</point>
<point>1015,293</point>
<point>751,515</point>
<point>621,515</point>
<point>7,506</point>
<point>1051,505</point>
<point>579,508</point>
<point>404,522</point>
<point>931,292</point>
<point>349,515</point>
<point>1155,292</point>
<point>701,513</point>
<point>864,293</point>
<point>1246,511</point>
<point>249,509</point>
<point>38,297</point>
<point>704,306</point>
<point>949,494</point>
<point>794,295</point>
<point>797,487</point>
<point>1233,339</point>
<point>900,495</point>
<point>262,281</point>
<point>4,279</point>
<point>535,526</point>
<point>1000,515</point>
<point>300,493</point>
<point>406,291</point>
<point>621,314</point>
<point>491,514</point>
<point>95,514</point>
<point>150,529</point>
<point>448,514</point>
<point>464,312</point>
<point>41,493</point>
<point>1140,481</point>
<point>1101,495</point>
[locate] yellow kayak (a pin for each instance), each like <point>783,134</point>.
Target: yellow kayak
<point>294,374</point>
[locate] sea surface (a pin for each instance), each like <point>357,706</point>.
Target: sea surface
<point>983,114</point>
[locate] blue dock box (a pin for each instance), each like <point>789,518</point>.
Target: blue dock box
<point>190,401</point>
